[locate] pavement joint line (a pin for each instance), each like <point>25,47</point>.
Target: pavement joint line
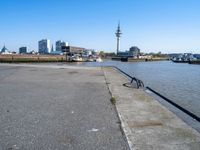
<point>126,132</point>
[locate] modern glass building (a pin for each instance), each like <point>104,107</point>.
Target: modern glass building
<point>23,50</point>
<point>59,45</point>
<point>44,46</point>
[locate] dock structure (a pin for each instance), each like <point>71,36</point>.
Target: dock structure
<point>66,107</point>
<point>72,49</point>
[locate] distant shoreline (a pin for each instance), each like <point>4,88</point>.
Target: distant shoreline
<point>125,59</point>
<point>31,58</point>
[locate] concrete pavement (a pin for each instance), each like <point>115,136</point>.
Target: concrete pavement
<point>56,107</point>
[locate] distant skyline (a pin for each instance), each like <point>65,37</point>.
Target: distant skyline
<point>152,25</point>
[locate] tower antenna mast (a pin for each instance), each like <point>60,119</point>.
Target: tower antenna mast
<point>118,35</point>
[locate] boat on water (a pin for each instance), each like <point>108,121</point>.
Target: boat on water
<point>94,59</point>
<point>181,61</point>
<point>79,58</point>
<point>76,58</point>
<point>191,60</point>
<point>98,59</point>
<point>183,58</point>
<point>195,62</point>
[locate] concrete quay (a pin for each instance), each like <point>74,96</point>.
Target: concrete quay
<point>146,123</point>
<point>64,107</point>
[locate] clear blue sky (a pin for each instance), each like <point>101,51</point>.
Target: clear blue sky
<point>152,25</point>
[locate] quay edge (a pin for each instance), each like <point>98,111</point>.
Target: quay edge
<point>148,124</point>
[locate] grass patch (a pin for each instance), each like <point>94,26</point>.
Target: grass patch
<point>113,100</point>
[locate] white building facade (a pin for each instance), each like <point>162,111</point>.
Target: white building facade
<point>44,46</point>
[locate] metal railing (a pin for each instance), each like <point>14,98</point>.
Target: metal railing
<point>139,82</point>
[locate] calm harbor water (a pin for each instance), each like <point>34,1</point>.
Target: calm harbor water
<point>176,81</point>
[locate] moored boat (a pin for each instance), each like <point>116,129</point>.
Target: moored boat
<point>98,59</point>
<point>195,62</point>
<point>76,58</point>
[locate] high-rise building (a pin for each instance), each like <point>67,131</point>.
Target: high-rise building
<point>59,45</point>
<point>52,48</point>
<point>23,50</point>
<point>44,46</point>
